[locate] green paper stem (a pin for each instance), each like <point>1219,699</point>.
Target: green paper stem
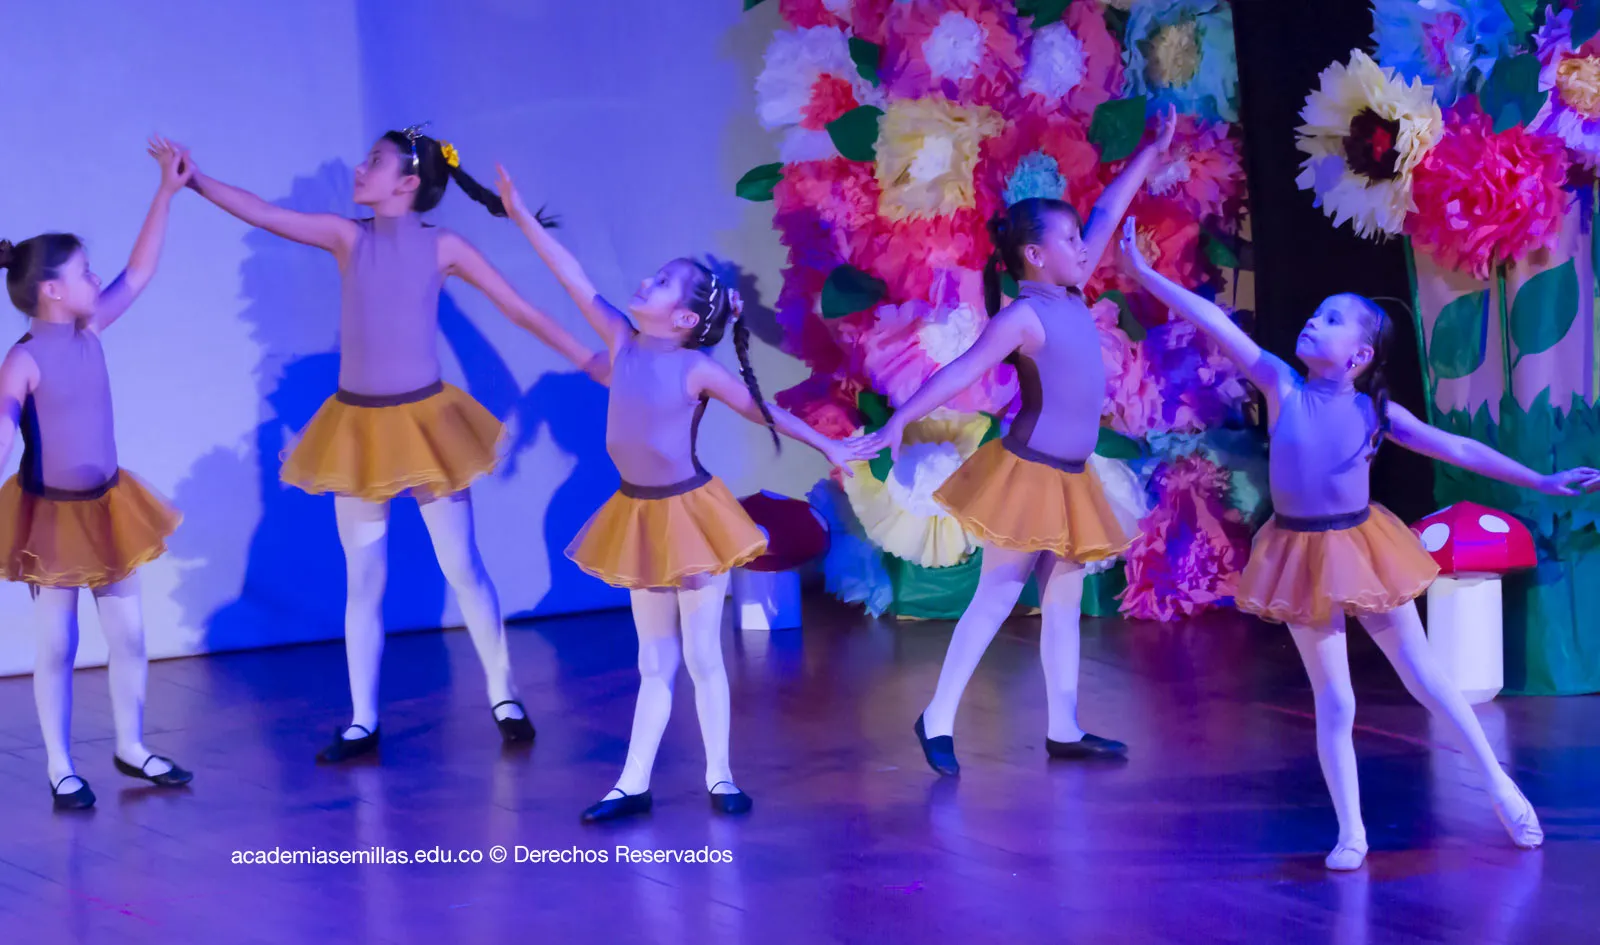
<point>1505,325</point>
<point>1428,385</point>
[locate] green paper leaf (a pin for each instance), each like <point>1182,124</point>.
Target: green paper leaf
<point>868,58</point>
<point>1044,12</point>
<point>758,182</point>
<point>1113,445</point>
<point>1521,14</point>
<point>1130,326</point>
<point>874,408</point>
<point>1220,253</point>
<point>751,4</point>
<point>1008,286</point>
<point>1118,127</point>
<point>849,290</point>
<point>1543,311</point>
<point>1457,346</point>
<point>1512,93</point>
<point>881,465</point>
<point>1585,21</point>
<point>855,133</point>
<point>993,433</point>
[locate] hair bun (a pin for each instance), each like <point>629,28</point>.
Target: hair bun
<point>7,252</point>
<point>999,226</point>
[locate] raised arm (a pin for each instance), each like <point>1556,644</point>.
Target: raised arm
<point>1114,201</point>
<point>116,297</point>
<point>461,258</point>
<point>1266,371</point>
<point>1411,433</point>
<point>1005,333</point>
<point>18,376</point>
<point>328,231</point>
<point>611,325</point>
<point>710,379</point>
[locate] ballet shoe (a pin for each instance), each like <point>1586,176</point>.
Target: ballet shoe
<point>81,799</point>
<point>517,729</point>
<point>343,749</point>
<point>615,808</point>
<point>940,752</point>
<point>174,776</point>
<point>1087,748</point>
<point>1347,856</point>
<point>1524,828</point>
<point>737,802</point>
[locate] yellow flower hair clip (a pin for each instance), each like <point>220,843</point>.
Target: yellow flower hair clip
<point>451,157</point>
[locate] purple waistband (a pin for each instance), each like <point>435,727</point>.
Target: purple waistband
<point>1024,451</point>
<point>1323,523</point>
<point>668,491</point>
<point>388,400</point>
<point>72,495</point>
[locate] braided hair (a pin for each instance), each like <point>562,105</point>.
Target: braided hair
<point>710,297</point>
<point>427,158</point>
<point>1019,225</point>
<point>32,262</point>
<point>1373,381</point>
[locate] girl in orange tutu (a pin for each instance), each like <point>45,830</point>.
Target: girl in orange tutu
<point>1028,497</point>
<point>1330,552</point>
<point>673,531</point>
<point>71,517</point>
<point>394,426</point>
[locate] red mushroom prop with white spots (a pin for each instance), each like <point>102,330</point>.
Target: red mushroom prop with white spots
<point>766,592</point>
<point>1473,546</point>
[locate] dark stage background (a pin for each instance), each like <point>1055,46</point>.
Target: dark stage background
<point>1300,259</point>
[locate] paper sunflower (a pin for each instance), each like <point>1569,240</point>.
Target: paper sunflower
<point>809,80</point>
<point>900,514</point>
<point>1445,43</point>
<point>927,151</point>
<point>1365,132</point>
<point>1572,77</point>
<point>1180,53</point>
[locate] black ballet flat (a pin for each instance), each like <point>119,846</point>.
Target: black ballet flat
<point>615,808</point>
<point>81,799</point>
<point>514,730</point>
<point>736,803</point>
<point>1087,748</point>
<point>940,752</point>
<point>172,777</point>
<point>343,749</point>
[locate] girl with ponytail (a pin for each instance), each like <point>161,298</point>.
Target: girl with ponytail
<point>394,427</point>
<point>1329,552</point>
<point>673,531</point>
<point>1029,497</point>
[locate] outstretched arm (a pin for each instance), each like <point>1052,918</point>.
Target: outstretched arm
<point>1411,433</point>
<point>611,325</point>
<point>461,258</point>
<point>1004,334</point>
<point>1267,372</point>
<point>115,299</point>
<point>710,379</point>
<point>325,230</point>
<point>1118,195</point>
<point>18,376</point>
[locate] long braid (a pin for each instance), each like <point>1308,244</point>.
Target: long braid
<point>1374,382</point>
<point>741,347</point>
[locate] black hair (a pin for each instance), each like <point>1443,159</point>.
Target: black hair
<point>1019,225</point>
<point>709,296</point>
<point>1373,381</point>
<point>425,157</point>
<point>32,262</point>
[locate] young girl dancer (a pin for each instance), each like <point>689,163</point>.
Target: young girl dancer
<point>71,518</point>
<point>673,531</point>
<point>394,426</point>
<point>1028,496</point>
<point>1328,551</point>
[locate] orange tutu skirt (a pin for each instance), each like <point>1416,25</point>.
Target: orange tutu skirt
<point>436,442</point>
<point>1368,566</point>
<point>636,542</point>
<point>1025,505</point>
<point>87,541</point>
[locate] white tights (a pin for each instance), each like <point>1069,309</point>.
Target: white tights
<point>56,614</point>
<point>364,533</point>
<point>662,617</point>
<point>999,585</point>
<point>1399,634</point>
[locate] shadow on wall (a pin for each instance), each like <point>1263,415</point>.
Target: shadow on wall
<point>261,560</point>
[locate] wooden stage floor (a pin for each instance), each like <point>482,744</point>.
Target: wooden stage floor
<point>1213,832</point>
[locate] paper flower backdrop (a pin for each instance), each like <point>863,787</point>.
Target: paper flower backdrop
<point>904,126</point>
